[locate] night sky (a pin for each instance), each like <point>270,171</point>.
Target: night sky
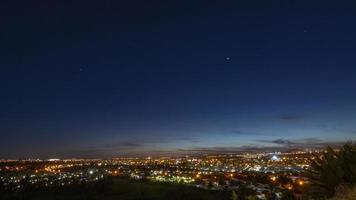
<point>138,78</point>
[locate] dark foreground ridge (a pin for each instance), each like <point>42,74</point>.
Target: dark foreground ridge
<point>116,188</point>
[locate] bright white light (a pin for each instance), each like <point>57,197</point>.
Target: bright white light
<point>274,157</point>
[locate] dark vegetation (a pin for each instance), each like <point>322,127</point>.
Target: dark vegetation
<point>333,172</point>
<point>116,189</point>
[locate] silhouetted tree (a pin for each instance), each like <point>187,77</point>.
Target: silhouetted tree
<point>233,195</point>
<point>252,197</point>
<point>288,195</point>
<point>244,191</point>
<point>332,170</point>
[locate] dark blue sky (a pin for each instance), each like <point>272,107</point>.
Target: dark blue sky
<point>113,78</point>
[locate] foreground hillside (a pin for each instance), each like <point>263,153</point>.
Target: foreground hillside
<point>117,188</point>
<point>351,195</point>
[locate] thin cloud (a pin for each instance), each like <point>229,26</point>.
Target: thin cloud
<point>231,149</point>
<point>243,132</point>
<point>329,129</point>
<point>301,143</point>
<point>280,145</point>
<point>289,118</point>
<point>279,141</point>
<point>132,145</point>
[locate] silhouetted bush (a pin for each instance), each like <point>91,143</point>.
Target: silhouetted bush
<point>333,170</point>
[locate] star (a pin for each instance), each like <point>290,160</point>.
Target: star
<point>227,58</point>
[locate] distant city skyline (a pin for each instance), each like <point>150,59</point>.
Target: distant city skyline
<point>97,80</point>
